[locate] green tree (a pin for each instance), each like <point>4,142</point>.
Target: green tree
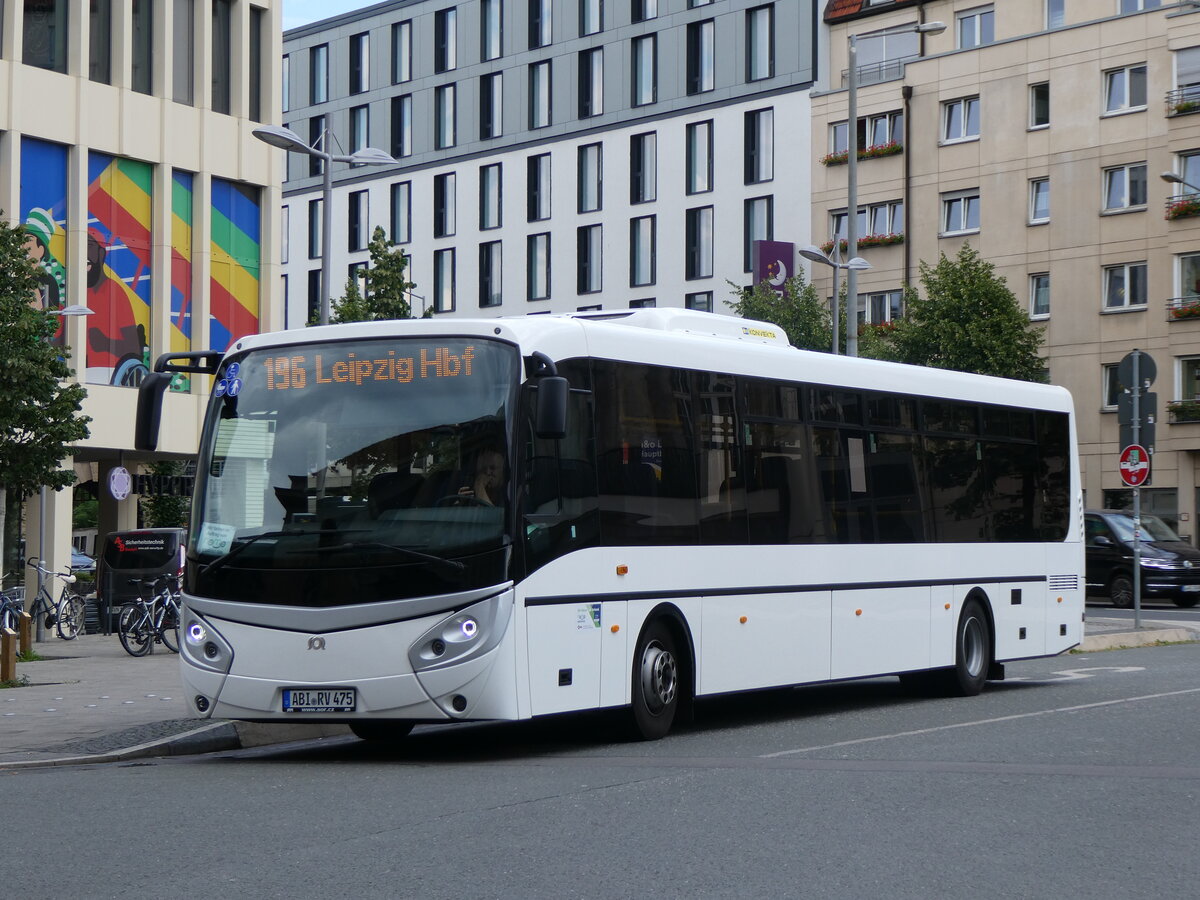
<point>968,320</point>
<point>385,282</point>
<point>799,311</point>
<point>165,510</point>
<point>40,412</point>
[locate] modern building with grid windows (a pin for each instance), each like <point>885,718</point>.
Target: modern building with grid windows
<point>552,155</point>
<point>126,153</point>
<point>1038,131</point>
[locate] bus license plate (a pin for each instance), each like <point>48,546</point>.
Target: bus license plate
<point>319,700</point>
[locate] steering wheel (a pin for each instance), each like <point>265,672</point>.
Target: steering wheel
<point>460,500</point>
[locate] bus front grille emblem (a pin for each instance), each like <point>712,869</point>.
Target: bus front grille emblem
<point>316,643</point>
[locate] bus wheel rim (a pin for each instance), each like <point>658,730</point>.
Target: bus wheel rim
<point>659,677</point>
<point>973,646</point>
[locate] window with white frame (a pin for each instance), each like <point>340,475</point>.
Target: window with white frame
<point>318,74</point>
<point>878,307</point>
<point>357,220</point>
<point>360,62</point>
<point>1039,295</point>
<point>1039,105</point>
<point>759,152</point>
<point>960,120</point>
<point>1188,167</point>
<point>1039,201</point>
<point>1125,89</point>
<point>874,219</point>
<point>976,27</point>
<point>402,212</point>
<point>1129,6</point>
<point>758,215</point>
<point>1125,187</point>
<point>360,127</point>
<point>402,126</point>
<point>1188,267</point>
<point>537,187</point>
<point>960,212</point>
<point>1186,97</point>
<point>591,82</point>
<point>1110,386</point>
<point>700,56</point>
<point>643,167</point>
<point>875,130</point>
<point>1189,378</point>
<point>1125,286</point>
<point>881,55</point>
<point>491,106</point>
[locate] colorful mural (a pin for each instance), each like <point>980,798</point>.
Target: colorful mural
<point>236,262</point>
<point>181,269</point>
<point>118,269</point>
<point>44,215</point>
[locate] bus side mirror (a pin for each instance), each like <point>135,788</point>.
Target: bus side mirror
<point>149,410</point>
<point>552,391</point>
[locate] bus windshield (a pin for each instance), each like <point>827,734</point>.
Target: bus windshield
<point>353,472</point>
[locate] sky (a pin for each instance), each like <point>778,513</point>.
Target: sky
<point>302,12</point>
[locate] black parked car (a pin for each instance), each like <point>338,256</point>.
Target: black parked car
<point>1170,567</point>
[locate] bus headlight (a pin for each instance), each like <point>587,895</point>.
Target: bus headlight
<point>462,635</point>
<point>203,646</point>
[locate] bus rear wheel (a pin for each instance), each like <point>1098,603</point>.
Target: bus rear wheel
<point>657,682</point>
<point>381,732</point>
<point>972,653</point>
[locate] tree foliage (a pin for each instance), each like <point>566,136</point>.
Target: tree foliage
<point>166,510</point>
<point>798,310</point>
<point>386,287</point>
<point>968,320</point>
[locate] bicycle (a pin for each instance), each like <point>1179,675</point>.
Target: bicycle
<point>66,614</point>
<point>144,623</point>
<point>12,604</point>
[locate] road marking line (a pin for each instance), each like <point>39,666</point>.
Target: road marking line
<point>920,731</point>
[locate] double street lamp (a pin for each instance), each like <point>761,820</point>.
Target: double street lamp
<point>852,168</point>
<point>855,264</point>
<point>286,139</point>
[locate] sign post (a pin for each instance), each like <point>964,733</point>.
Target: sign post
<point>1135,373</point>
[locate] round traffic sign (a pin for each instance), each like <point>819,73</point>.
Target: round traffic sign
<point>1134,465</point>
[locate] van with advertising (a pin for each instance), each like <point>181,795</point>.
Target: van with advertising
<point>1170,567</point>
<point>126,555</point>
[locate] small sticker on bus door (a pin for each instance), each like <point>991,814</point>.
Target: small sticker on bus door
<point>587,617</point>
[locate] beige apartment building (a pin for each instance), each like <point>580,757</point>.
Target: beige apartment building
<point>126,152</point>
<point>1037,130</point>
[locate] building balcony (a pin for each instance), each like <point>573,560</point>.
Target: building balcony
<point>888,70</point>
<point>1183,412</point>
<point>1183,308</point>
<point>1184,101</point>
<point>876,151</point>
<point>1183,206</point>
<point>874,240</point>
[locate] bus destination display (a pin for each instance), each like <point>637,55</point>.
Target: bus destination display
<point>297,371</point>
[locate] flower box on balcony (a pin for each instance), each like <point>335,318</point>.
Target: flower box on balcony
<point>867,240</point>
<point>1185,308</point>
<point>1184,207</point>
<point>1182,411</point>
<point>891,148</point>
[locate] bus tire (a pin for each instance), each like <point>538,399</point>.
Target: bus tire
<point>972,653</point>
<point>657,682</point>
<point>1120,591</point>
<point>381,732</point>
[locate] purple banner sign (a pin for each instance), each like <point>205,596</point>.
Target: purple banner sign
<point>774,262</point>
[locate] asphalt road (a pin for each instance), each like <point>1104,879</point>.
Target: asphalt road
<point>1077,777</point>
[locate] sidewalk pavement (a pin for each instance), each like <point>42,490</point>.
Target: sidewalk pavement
<point>88,701</point>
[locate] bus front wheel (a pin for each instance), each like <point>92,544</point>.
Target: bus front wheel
<point>381,731</point>
<point>656,682</point>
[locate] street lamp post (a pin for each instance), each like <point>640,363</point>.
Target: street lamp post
<point>73,310</point>
<point>857,264</point>
<point>286,139</point>
<point>852,169</point>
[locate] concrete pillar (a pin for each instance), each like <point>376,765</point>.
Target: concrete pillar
<point>114,515</point>
<point>56,554</point>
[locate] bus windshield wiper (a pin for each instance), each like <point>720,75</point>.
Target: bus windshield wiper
<point>408,551</point>
<point>222,560</point>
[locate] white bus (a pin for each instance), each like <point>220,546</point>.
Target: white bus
<point>441,520</point>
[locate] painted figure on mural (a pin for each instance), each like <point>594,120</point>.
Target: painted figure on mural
<point>39,232</point>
